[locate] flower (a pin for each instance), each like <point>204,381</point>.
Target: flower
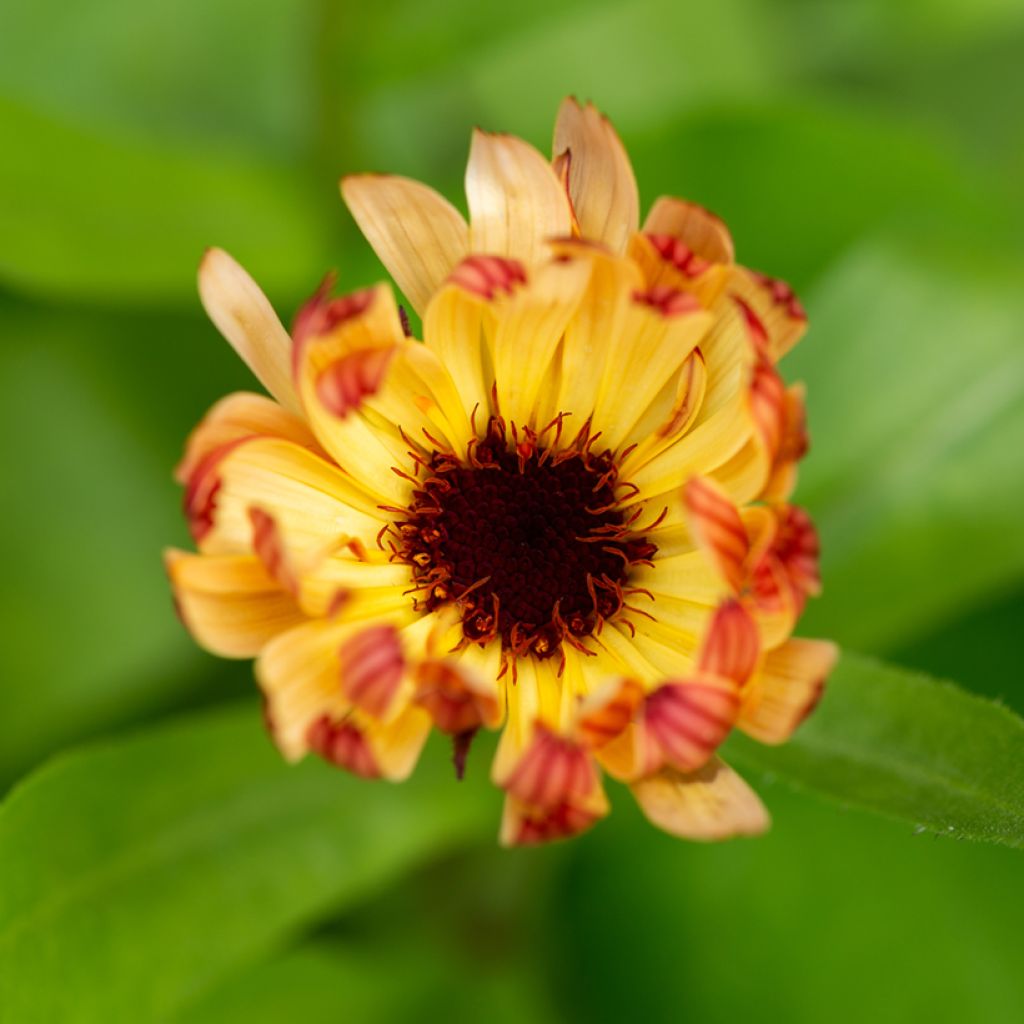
<point>564,513</point>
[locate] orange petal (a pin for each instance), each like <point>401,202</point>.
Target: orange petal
<point>774,316</point>
<point>243,315</point>
<point>601,183</point>
<point>552,771</point>
<point>699,230</point>
<point>415,232</point>
<point>731,645</point>
<point>454,699</point>
<point>786,689</point>
<point>710,804</point>
<point>683,723</point>
<point>372,665</point>
<point>605,714</point>
<point>523,825</point>
<point>718,529</point>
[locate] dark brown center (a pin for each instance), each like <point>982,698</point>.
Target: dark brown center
<point>528,541</point>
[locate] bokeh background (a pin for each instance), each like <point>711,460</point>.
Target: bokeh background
<point>871,153</point>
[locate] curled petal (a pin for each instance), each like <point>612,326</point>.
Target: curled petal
<point>731,645</point>
<point>371,666</point>
<point>716,526</point>
<point>600,179</point>
<point>343,384</point>
<point>774,316</point>
<point>523,825</point>
<point>516,201</point>
<point>455,700</point>
<point>552,771</point>
<point>607,713</point>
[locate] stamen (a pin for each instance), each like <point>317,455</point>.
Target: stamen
<point>527,541</point>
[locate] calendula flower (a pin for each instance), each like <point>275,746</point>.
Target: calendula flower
<point>563,513</point>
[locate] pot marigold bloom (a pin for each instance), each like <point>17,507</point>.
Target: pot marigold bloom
<point>563,513</point>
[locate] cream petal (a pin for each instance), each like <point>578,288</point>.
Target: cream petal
<point>516,201</point>
<point>229,603</point>
<point>600,177</point>
<point>710,804</point>
<point>415,232</point>
<point>242,313</point>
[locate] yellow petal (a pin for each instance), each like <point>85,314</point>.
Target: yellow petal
<point>786,689</point>
<point>516,201</point>
<point>600,318</point>
<point>300,674</point>
<point>710,804</point>
<point>243,315</point>
<point>229,603</point>
<point>415,232</point>
<point>313,504</point>
<point>601,181</point>
<point>239,415</point>
<point>528,326</point>
<point>648,351</point>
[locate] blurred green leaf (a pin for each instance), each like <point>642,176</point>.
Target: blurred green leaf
<point>104,218</point>
<point>915,377</point>
<point>909,747</point>
<point>228,72</point>
<point>833,916</point>
<point>135,875</point>
<point>322,982</point>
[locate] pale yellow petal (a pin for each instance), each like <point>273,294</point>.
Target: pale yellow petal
<point>601,181</point>
<point>710,804</point>
<point>786,688</point>
<point>239,415</point>
<point>229,603</point>
<point>516,201</point>
<point>242,313</point>
<point>416,233</point>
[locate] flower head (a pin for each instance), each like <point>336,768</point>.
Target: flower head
<point>563,513</point>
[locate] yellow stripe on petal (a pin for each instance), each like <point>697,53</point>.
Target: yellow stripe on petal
<point>242,313</point>
<point>647,352</point>
<point>527,329</point>
<point>601,183</point>
<point>589,335</point>
<point>710,804</point>
<point>516,201</point>
<point>229,603</point>
<point>786,689</point>
<point>415,232</point>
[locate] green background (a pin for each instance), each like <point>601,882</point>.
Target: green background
<point>871,153</point>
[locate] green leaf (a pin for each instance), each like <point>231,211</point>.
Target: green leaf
<point>832,916</point>
<point>909,747</point>
<point>322,982</point>
<point>915,378</point>
<point>136,874</point>
<point>100,217</point>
